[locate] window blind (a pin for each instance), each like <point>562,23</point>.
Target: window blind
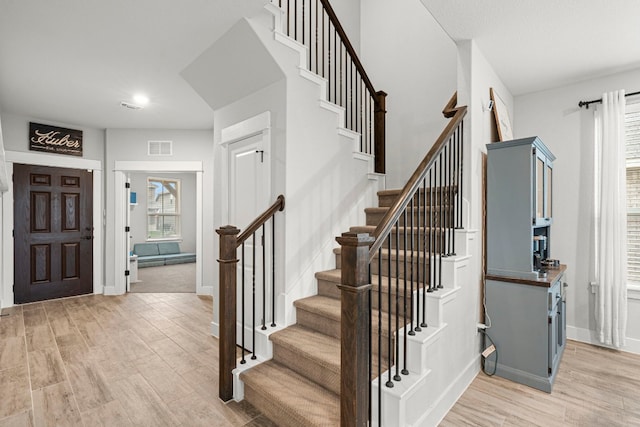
<point>632,135</point>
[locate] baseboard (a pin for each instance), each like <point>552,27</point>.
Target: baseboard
<point>590,337</point>
<point>206,290</point>
<point>111,291</point>
<point>215,329</point>
<point>451,395</point>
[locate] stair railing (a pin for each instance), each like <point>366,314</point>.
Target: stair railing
<point>330,54</point>
<point>410,242</point>
<point>230,240</point>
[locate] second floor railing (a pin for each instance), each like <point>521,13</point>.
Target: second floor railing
<point>331,55</point>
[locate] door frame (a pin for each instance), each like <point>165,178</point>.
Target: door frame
<point>28,158</point>
<point>121,205</point>
<point>256,125</point>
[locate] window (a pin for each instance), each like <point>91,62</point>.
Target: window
<point>632,135</point>
<point>163,208</point>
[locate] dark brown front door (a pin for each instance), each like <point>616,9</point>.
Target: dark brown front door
<point>53,232</point>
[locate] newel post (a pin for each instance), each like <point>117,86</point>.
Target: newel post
<point>380,111</point>
<point>355,329</point>
<point>227,308</point>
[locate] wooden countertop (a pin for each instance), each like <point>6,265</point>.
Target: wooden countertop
<point>552,275</point>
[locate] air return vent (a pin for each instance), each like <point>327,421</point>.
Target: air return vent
<point>160,148</point>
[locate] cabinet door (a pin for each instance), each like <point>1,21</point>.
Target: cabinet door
<point>539,188</point>
<point>553,339</point>
<point>548,181</point>
<point>543,179</point>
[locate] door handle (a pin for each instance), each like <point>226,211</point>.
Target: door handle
<point>87,237</point>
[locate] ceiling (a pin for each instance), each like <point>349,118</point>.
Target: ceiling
<point>535,45</point>
<point>73,61</point>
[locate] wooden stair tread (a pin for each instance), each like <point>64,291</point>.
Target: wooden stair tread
<point>330,308</point>
<point>396,191</point>
<point>401,253</point>
<point>322,305</point>
<point>384,209</point>
<point>335,276</point>
<point>322,349</point>
<point>415,229</point>
<point>295,400</point>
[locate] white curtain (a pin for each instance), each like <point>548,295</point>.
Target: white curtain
<point>611,220</point>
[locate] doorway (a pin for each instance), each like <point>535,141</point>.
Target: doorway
<point>162,232</point>
<point>53,232</point>
<point>248,195</point>
<point>121,259</point>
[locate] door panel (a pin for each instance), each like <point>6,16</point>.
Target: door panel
<point>247,199</point>
<point>53,232</point>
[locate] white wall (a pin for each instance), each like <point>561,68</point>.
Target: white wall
<point>475,76</point>
<point>272,99</point>
<point>138,218</point>
<point>407,54</point>
<point>188,145</point>
<point>16,135</point>
<point>567,130</point>
<point>348,13</point>
<point>311,164</point>
<point>4,178</point>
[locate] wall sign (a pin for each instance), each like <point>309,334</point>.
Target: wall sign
<point>53,139</point>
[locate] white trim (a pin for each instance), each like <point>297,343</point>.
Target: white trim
<point>204,290</point>
<point>120,256</point>
<point>121,204</point>
<point>633,291</point>
<point>590,337</point>
<point>434,415</point>
<point>53,161</point>
<point>177,214</point>
<point>246,128</point>
<point>259,124</point>
<point>157,166</point>
<point>6,286</point>
<point>256,125</point>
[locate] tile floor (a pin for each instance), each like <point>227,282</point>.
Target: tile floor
<point>133,360</point>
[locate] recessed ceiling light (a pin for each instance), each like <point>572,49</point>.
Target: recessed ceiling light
<point>141,99</point>
<point>130,105</point>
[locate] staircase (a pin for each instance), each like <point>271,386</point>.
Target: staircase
<point>418,260</point>
<point>300,385</point>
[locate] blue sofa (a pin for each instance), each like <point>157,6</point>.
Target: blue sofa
<point>162,253</point>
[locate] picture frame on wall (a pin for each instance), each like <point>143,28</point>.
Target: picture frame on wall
<point>501,114</point>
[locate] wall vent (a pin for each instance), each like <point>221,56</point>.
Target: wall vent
<point>160,148</point>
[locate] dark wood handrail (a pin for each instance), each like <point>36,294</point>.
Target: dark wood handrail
<point>350,50</point>
<point>450,109</point>
<point>278,205</point>
<point>394,212</point>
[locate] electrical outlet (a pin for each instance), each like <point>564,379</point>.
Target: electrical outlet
<point>488,351</point>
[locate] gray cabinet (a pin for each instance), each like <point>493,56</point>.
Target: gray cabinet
<point>519,207</point>
<point>528,327</point>
<point>525,300</point>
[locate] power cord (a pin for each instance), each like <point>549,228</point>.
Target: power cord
<point>495,350</point>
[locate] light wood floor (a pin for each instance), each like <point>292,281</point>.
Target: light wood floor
<point>594,387</point>
<point>149,359</point>
<point>139,359</point>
